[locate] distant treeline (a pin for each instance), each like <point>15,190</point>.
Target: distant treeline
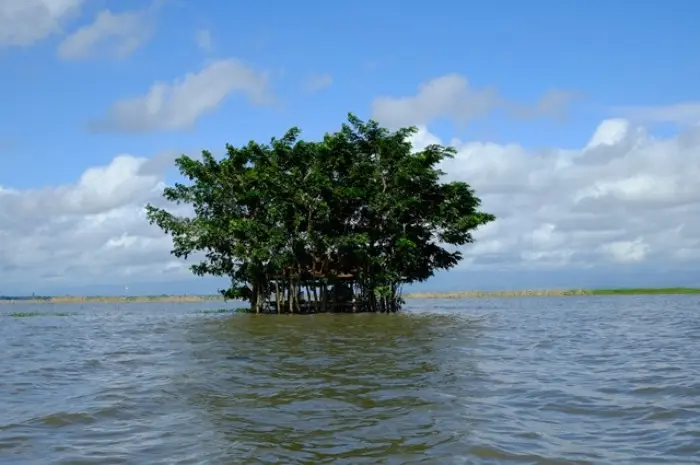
<point>87,299</point>
<point>555,293</point>
<point>25,297</point>
<point>415,295</point>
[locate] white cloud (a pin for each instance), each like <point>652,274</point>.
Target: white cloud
<point>94,230</point>
<point>627,251</point>
<point>118,35</point>
<point>451,96</point>
<point>625,198</point>
<point>446,96</point>
<point>24,22</point>
<point>685,113</point>
<point>179,104</point>
<point>553,104</point>
<point>317,82</point>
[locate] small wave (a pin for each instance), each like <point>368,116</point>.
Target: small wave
<point>574,381</point>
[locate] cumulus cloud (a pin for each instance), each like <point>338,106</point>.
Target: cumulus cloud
<point>452,96</point>
<point>317,82</point>
<point>91,231</point>
<point>179,104</point>
<point>24,22</point>
<point>445,96</point>
<point>117,35</point>
<point>624,198</point>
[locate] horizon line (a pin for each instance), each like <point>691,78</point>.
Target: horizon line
<point>66,298</point>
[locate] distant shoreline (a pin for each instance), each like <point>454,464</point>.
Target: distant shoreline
<point>413,295</point>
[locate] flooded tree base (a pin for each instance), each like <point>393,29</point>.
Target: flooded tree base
<point>315,308</point>
<point>316,293</point>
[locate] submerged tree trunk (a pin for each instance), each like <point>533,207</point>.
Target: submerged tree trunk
<point>294,295</point>
<point>277,297</point>
<point>316,306</point>
<point>254,298</point>
<point>297,291</point>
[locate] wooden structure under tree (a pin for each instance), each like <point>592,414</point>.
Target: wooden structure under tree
<point>313,291</point>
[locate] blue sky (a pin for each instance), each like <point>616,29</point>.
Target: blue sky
<point>538,79</point>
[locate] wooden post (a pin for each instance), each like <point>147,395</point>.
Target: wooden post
<point>315,292</point>
<point>307,290</point>
<point>297,291</point>
<point>277,297</point>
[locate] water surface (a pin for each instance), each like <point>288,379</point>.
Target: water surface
<point>599,380</point>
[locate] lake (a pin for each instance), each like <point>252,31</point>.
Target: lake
<point>573,380</point>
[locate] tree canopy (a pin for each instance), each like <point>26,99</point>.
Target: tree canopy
<point>360,205</point>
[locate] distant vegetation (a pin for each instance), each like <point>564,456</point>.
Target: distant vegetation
<point>552,293</point>
<point>631,291</point>
<point>34,314</point>
<point>415,295</point>
<point>336,225</point>
<point>110,299</point>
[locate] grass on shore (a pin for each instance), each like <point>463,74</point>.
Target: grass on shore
<point>415,295</point>
<point>33,314</point>
<point>554,293</point>
<point>642,291</point>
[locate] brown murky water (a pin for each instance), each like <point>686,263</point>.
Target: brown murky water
<point>531,381</point>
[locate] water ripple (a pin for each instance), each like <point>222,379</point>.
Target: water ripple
<point>522,381</point>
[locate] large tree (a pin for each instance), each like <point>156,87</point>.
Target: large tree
<point>360,202</point>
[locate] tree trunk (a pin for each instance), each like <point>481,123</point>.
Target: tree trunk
<point>291,293</point>
<point>295,296</point>
<point>254,298</point>
<point>277,297</point>
<point>314,289</point>
<point>307,291</point>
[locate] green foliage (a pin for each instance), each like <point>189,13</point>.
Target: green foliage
<point>359,202</point>
<point>33,314</point>
<point>642,291</point>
